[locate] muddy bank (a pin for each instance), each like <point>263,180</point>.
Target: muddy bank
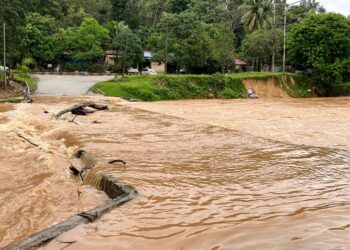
<point>266,88</point>
<point>13,90</point>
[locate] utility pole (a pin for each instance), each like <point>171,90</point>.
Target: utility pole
<point>125,53</point>
<point>5,79</point>
<point>273,36</point>
<point>284,36</point>
<point>285,30</point>
<point>166,49</point>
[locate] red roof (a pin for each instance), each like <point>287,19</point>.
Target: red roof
<point>240,62</point>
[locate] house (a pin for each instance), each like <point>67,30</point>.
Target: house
<point>241,65</point>
<point>148,63</point>
<point>110,57</point>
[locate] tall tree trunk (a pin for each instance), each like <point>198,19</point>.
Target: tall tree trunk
<point>125,54</point>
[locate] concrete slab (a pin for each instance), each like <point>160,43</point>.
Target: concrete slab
<point>67,84</point>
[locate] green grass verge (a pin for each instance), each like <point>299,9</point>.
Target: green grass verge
<point>11,100</point>
<point>31,81</point>
<point>173,87</point>
<point>297,86</point>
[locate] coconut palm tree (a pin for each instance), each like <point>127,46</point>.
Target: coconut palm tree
<point>257,14</point>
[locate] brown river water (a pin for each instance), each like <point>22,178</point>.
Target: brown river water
<point>210,174</point>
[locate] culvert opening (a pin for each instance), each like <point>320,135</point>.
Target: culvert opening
<point>119,193</point>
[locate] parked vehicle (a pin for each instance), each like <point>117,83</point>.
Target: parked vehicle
<point>133,71</point>
<point>149,72</point>
<point>2,68</point>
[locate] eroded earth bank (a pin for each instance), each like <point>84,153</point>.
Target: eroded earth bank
<point>241,174</point>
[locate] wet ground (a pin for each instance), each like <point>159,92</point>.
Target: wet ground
<point>204,182</point>
<point>67,84</point>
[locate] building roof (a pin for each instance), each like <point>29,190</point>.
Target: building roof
<point>240,62</point>
<point>147,54</point>
<point>110,52</point>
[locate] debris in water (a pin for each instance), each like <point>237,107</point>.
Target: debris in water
<point>72,121</point>
<point>21,136</point>
<point>117,161</point>
<point>80,109</point>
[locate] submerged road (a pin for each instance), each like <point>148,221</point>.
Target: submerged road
<point>67,85</point>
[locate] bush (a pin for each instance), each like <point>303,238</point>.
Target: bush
<point>342,89</point>
<point>321,42</point>
<point>22,68</point>
<point>98,68</point>
<point>74,67</point>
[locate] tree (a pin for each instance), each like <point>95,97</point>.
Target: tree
<point>179,6</point>
<point>223,45</point>
<point>131,11</point>
<point>213,11</point>
<point>257,14</point>
<point>86,42</point>
<point>297,13</point>
<point>77,10</point>
<point>127,46</point>
<point>51,8</point>
<point>321,42</point>
<point>256,47</point>
<point>47,25</point>
<point>13,13</point>
<point>181,39</point>
<point>43,48</point>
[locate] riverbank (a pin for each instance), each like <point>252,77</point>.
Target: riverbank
<point>175,87</point>
<point>30,80</point>
<point>13,92</point>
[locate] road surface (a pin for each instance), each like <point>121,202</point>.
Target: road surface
<point>67,85</point>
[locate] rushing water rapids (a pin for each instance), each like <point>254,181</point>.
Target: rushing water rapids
<point>201,186</point>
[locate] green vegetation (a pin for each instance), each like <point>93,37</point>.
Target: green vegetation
<point>322,43</point>
<point>173,87</point>
<point>126,44</point>
<point>257,14</point>
<point>31,81</point>
<point>297,86</point>
<point>342,89</point>
<point>189,36</point>
<point>195,35</point>
<point>11,100</point>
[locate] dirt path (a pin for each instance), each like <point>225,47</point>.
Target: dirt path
<point>67,85</point>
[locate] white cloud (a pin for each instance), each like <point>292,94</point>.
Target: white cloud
<point>338,6</point>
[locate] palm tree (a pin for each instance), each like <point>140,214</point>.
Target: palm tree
<point>257,14</point>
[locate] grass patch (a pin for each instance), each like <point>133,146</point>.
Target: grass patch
<point>297,86</point>
<point>11,100</point>
<point>174,87</point>
<point>31,81</point>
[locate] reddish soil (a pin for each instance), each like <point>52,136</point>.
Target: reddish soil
<point>13,90</point>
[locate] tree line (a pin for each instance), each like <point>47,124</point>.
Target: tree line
<point>195,35</point>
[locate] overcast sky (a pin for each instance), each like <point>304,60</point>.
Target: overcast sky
<point>339,6</point>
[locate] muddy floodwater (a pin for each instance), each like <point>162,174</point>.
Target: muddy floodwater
<point>270,174</point>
